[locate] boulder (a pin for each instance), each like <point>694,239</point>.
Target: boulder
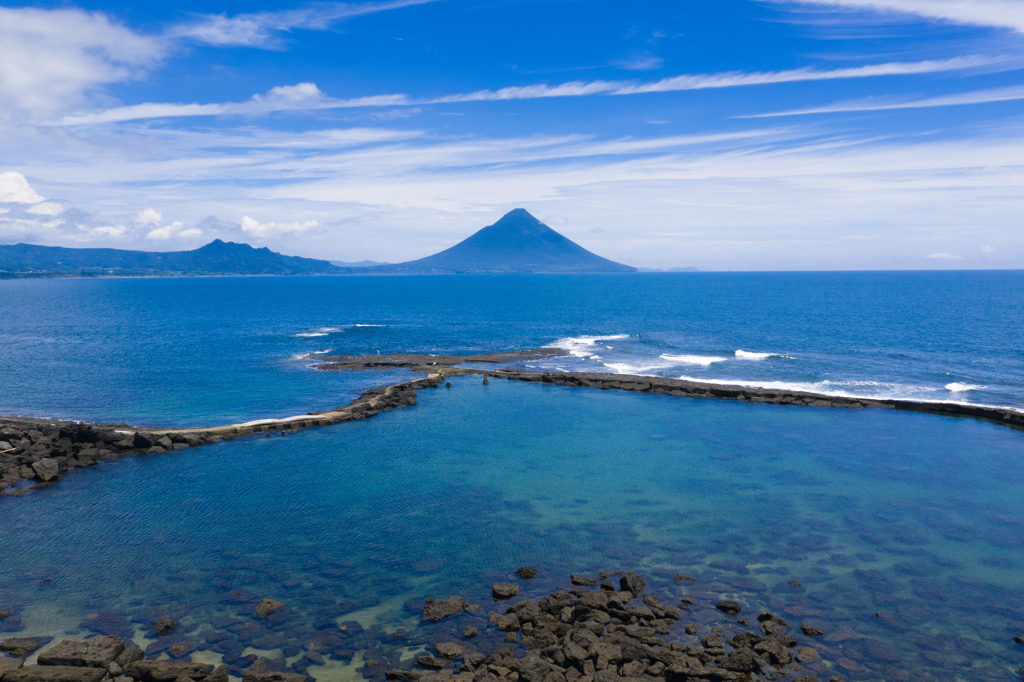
<point>164,625</point>
<point>403,675</point>
<point>526,572</point>
<point>449,650</point>
<point>582,580</point>
<point>469,632</point>
<point>46,469</point>
<point>130,654</point>
<point>54,673</point>
<point>267,607</point>
<point>806,654</point>
<point>431,662</point>
<point>632,583</point>
<point>810,630</point>
<point>504,590</point>
<point>10,663</point>
<point>22,646</point>
<point>167,671</point>
<point>434,610</point>
<point>95,652</point>
<point>729,607</point>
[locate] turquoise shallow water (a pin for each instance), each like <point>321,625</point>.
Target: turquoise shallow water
<point>905,528</point>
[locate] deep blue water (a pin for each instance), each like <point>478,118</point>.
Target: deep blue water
<point>905,528</point>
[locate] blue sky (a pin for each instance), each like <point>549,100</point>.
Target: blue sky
<point>735,135</point>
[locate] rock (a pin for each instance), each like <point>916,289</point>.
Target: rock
<point>632,583</point>
<point>504,590</point>
<point>810,630</point>
<point>582,581</point>
<point>431,662</point>
<point>95,652</point>
<point>742,661</point>
<point>794,583</point>
<point>403,675</point>
<point>166,443</point>
<point>5,613</point>
<point>114,669</point>
<point>219,674</point>
<point>164,625</point>
<point>434,610</point>
<point>46,469</point>
<point>1018,640</point>
<point>130,654</point>
<point>469,632</point>
<point>9,663</point>
<point>21,646</point>
<point>680,576</point>
<point>167,671</point>
<point>449,650</point>
<point>806,654</point>
<point>729,607</point>
<point>54,673</point>
<point>527,572</point>
<point>267,607</point>
<point>273,676</point>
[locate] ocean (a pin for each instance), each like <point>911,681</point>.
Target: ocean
<point>903,529</point>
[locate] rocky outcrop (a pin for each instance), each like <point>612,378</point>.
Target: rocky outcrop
<point>95,652</point>
<point>54,673</point>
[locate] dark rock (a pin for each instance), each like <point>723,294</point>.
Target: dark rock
<point>164,625</point>
<point>267,607</point>
<point>434,610</point>
<point>469,632</point>
<point>526,572</point>
<point>10,663</point>
<point>404,675</point>
<point>431,662</point>
<point>806,654</point>
<point>1018,640</point>
<point>5,613</point>
<point>504,590</point>
<point>54,673</point>
<point>810,630</point>
<point>582,580</point>
<point>729,607</point>
<point>167,671</point>
<point>632,583</point>
<point>680,576</point>
<point>449,650</point>
<point>742,661</point>
<point>794,583</point>
<point>46,469</point>
<point>143,440</point>
<point>95,652</point>
<point>22,646</point>
<point>130,654</point>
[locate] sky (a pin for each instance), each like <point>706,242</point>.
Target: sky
<point>731,135</point>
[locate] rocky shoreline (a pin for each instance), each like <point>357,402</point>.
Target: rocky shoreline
<point>35,453</point>
<point>607,627</point>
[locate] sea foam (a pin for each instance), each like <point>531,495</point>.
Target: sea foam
<point>583,346</point>
<point>957,387</point>
<point>702,360</point>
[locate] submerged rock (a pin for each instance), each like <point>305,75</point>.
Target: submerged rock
<point>729,607</point>
<point>449,650</point>
<point>434,610</point>
<point>22,646</point>
<point>404,675</point>
<point>54,673</point>
<point>95,652</point>
<point>167,671</point>
<point>267,607</point>
<point>164,625</point>
<point>504,590</point>
<point>527,572</point>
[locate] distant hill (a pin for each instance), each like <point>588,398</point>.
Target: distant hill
<point>516,243</point>
<point>216,258</point>
<point>356,264</point>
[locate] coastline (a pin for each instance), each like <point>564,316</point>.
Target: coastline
<point>35,453</point>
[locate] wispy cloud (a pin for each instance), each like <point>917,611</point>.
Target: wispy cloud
<point>263,29</point>
<point>999,13</point>
<point>875,104</point>
<point>307,96</point>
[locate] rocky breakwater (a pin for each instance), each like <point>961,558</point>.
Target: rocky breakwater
<point>615,631</point>
<point>106,658</point>
<point>36,453</point>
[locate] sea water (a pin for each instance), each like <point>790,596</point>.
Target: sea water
<point>903,529</point>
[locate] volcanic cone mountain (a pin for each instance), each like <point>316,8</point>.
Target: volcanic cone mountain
<point>516,243</point>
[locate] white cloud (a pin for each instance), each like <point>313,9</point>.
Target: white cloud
<point>14,188</point>
<point>148,216</point>
<point>53,58</point>
<point>987,251</point>
<point>644,62</point>
<point>555,221</point>
<point>109,230</point>
<point>873,104</point>
<point>262,29</point>
<point>174,230</point>
<point>944,256</point>
<point>49,208</point>
<point>1000,13</point>
<point>258,229</point>
<point>308,97</point>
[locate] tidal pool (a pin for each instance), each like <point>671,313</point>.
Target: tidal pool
<point>905,531</point>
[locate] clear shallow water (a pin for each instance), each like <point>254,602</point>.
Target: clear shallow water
<point>208,350</point>
<point>914,517</point>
